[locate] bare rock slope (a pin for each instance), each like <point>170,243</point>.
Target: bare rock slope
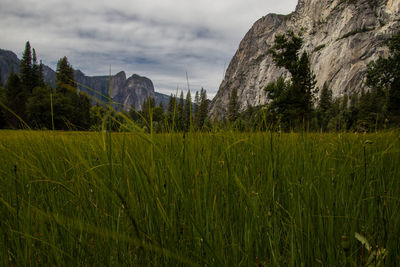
<point>341,37</point>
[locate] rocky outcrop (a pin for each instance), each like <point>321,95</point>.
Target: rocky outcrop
<point>8,62</point>
<point>341,37</point>
<point>127,92</point>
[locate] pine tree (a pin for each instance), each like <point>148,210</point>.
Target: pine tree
<point>40,74</point>
<point>296,99</point>
<point>325,107</point>
<point>35,70</point>
<point>65,81</point>
<point>38,108</point>
<point>306,81</point>
<point>187,112</point>
<point>171,112</point>
<point>179,117</point>
<point>26,70</point>
<point>196,102</point>
<point>147,109</point>
<point>14,100</point>
<point>81,114</point>
<point>384,74</point>
<point>65,98</point>
<point>233,106</point>
<point>203,109</point>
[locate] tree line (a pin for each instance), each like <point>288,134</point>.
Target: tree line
<point>295,104</point>
<point>28,102</point>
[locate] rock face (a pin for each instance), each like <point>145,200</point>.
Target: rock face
<point>8,62</point>
<point>128,92</point>
<point>340,36</point>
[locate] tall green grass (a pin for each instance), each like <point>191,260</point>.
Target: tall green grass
<point>215,199</point>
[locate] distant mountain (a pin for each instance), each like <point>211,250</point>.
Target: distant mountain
<point>8,61</point>
<point>128,92</point>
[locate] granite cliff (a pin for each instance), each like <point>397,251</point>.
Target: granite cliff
<point>128,92</point>
<point>341,37</point>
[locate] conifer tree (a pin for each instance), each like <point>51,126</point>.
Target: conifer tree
<point>179,117</point>
<point>384,74</point>
<point>41,76</point>
<point>65,81</point>
<point>296,99</point>
<point>26,70</point>
<point>202,112</point>
<point>233,106</point>
<point>35,70</point>
<point>14,100</point>
<point>65,97</point>
<point>38,108</point>
<point>171,111</point>
<point>196,101</point>
<point>187,112</point>
<point>325,107</point>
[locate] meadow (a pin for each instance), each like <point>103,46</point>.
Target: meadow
<point>199,199</point>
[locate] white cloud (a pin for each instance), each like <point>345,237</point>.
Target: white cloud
<point>160,39</point>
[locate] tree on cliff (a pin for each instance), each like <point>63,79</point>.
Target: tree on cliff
<point>294,100</point>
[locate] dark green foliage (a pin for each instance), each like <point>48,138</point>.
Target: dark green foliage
<point>233,106</point>
<point>81,114</point>
<point>171,112</point>
<point>354,32</point>
<point>38,108</point>
<point>97,114</point>
<point>285,51</point>
<point>316,49</point>
<point>147,109</point>
<point>15,100</point>
<point>292,103</point>
<point>151,117</point>
<point>278,110</point>
<point>202,112</point>
<point>65,82</point>
<point>187,112</point>
<point>71,109</point>
<point>325,107</point>
<point>384,76</point>
<point>2,110</point>
<point>196,102</point>
<point>26,73</point>
<point>35,76</point>
<point>179,114</point>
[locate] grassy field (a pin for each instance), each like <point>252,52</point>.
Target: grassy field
<point>223,199</point>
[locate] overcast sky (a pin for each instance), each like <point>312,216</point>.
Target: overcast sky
<point>159,39</point>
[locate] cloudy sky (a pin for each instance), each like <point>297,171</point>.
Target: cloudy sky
<point>159,39</point>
